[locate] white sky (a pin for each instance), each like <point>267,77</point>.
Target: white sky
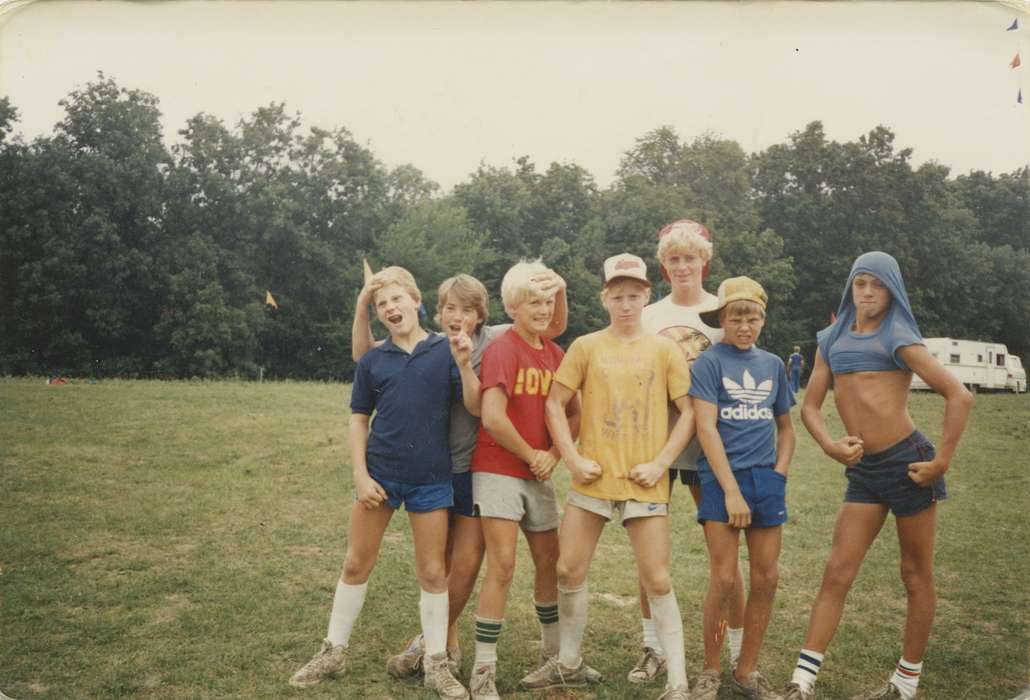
<point>447,85</point>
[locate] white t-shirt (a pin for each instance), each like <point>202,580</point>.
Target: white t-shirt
<point>693,336</point>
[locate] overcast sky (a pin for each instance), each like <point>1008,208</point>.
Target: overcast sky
<point>446,86</point>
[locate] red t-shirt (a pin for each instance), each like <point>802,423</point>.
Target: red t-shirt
<point>525,373</point>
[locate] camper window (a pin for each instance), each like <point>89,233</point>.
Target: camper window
<point>1001,360</point>
<point>955,360</point>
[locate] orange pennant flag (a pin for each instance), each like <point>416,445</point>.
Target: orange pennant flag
<point>1015,61</point>
<point>270,300</point>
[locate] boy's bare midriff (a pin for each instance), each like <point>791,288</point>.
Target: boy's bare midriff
<point>874,407</point>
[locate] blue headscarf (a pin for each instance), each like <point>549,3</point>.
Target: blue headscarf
<point>898,328</point>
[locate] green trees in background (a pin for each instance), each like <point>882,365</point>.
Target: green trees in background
<point>121,257</point>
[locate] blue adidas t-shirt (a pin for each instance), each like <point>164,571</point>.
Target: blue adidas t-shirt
<point>750,389</point>
<point>411,396</point>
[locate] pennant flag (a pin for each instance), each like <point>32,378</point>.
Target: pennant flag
<point>1016,63</point>
<point>1019,97</point>
<point>270,300</point>
<point>1014,26</point>
<point>367,269</point>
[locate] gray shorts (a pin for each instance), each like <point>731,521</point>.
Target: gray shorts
<point>531,504</point>
<point>623,510</point>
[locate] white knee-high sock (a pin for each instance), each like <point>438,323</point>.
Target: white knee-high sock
<point>651,639</point>
<point>736,637</point>
<point>807,670</point>
<point>906,678</point>
<point>347,604</point>
<point>432,608</point>
<point>665,612</point>
<point>572,623</point>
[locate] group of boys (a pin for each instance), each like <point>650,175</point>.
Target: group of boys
<point>470,425</point>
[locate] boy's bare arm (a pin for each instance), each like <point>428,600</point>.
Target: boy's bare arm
<point>705,417</point>
<point>648,473</point>
<point>848,450</point>
<point>560,318</point>
<point>369,493</point>
<point>498,424</point>
<point>361,338</point>
<point>958,402</point>
<point>461,351</point>
<point>558,399</point>
<point>785,441</point>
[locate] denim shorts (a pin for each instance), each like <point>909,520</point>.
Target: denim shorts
<point>764,490</point>
<point>463,503</point>
<point>882,478</point>
<point>418,498</point>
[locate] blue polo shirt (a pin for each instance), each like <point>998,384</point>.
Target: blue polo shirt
<point>410,395</point>
<point>749,388</point>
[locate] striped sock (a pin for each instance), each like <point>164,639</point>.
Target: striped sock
<point>809,663</point>
<point>906,678</point>
<point>550,634</point>
<point>487,633</point>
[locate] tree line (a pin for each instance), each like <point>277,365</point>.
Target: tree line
<point>123,257</point>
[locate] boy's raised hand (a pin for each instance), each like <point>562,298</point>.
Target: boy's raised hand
<point>365,295</point>
<point>548,283</point>
<point>647,474</point>
<point>461,348</point>
<point>736,507</point>
<point>848,450</point>
<point>369,493</point>
<point>585,471</point>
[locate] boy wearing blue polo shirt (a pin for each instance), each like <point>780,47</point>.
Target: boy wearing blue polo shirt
<point>742,409</point>
<point>404,459</point>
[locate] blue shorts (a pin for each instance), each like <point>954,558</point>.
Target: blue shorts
<point>418,498</point>
<point>764,490</point>
<point>463,503</point>
<point>689,477</point>
<point>882,478</point>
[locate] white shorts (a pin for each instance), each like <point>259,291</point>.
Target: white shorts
<point>612,510</point>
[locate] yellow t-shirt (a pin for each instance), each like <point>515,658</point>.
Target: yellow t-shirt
<point>626,388</point>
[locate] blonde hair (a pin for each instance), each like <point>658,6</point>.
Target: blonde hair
<point>741,307</point>
<point>518,285</point>
<point>466,290</point>
<point>395,275</point>
<point>684,237</point>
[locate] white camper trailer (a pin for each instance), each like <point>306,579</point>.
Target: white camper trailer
<point>978,365</point>
<point>1017,375</point>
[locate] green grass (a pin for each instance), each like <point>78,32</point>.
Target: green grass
<point>182,540</point>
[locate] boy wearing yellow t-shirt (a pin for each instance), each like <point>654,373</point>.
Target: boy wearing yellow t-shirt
<point>627,378</point>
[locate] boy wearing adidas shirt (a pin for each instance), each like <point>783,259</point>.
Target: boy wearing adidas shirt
<point>742,403</point>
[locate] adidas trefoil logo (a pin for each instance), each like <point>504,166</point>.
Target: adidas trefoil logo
<point>748,395</point>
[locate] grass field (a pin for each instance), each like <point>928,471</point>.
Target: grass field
<point>182,540</point>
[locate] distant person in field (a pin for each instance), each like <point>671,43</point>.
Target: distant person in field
<point>795,364</point>
<point>627,377</point>
<point>870,353</point>
<point>742,409</point>
<point>462,307</point>
<point>409,383</point>
<point>684,251</point>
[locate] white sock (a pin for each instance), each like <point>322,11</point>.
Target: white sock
<point>736,637</point>
<point>487,633</point>
<point>572,622</point>
<point>805,673</point>
<point>432,608</point>
<point>651,635</point>
<point>906,678</point>
<point>347,604</point>
<point>669,624</point>
<point>550,634</point>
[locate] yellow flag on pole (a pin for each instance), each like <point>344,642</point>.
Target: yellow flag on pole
<point>270,300</point>
<point>368,269</point>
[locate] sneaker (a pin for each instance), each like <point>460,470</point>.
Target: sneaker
<point>454,661</point>
<point>439,678</point>
<point>707,687</point>
<point>650,666</point>
<point>886,692</point>
<point>755,686</point>
<point>793,691</point>
<point>593,676</point>
<point>409,662</point>
<point>327,663</point>
<point>483,683</point>
<point>554,675</point>
<point>680,692</point>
